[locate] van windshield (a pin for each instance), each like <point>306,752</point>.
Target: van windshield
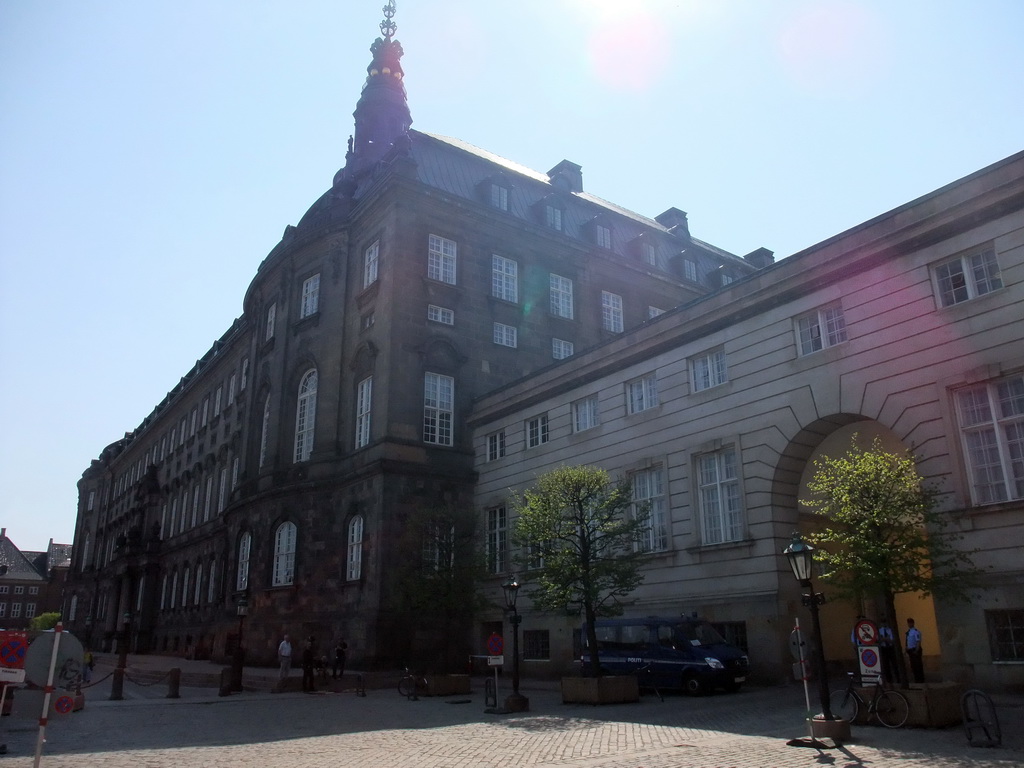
<point>698,633</point>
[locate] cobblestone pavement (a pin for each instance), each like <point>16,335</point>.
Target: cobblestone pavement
<point>384,730</point>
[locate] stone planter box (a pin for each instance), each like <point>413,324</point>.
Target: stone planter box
<point>447,685</point>
<point>600,690</point>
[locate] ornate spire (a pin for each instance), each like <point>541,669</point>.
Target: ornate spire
<point>382,113</point>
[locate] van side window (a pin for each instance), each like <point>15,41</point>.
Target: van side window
<point>634,637</point>
<point>666,636</point>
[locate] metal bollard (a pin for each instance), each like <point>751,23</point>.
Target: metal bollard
<point>174,683</point>
<point>117,685</point>
<point>360,686</point>
<point>225,681</point>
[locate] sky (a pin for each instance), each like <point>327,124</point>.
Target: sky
<point>151,155</point>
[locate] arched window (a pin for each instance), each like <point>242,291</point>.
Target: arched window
<point>284,555</point>
<point>198,594</point>
<point>265,431</point>
<point>174,590</point>
<point>244,544</point>
<point>211,584</point>
<point>305,416</point>
<point>354,557</point>
<point>184,586</point>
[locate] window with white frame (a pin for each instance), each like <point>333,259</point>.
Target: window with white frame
<point>690,270</point>
<point>19,589</point>
<point>505,335</point>
<point>371,258</point>
<point>354,558</point>
<point>709,370</point>
<point>496,445</point>
<point>222,496</point>
<point>967,276</point>
<point>206,412</point>
<point>243,379</point>
<point>824,327</point>
<point>553,217</point>
<point>603,235</point>
<point>310,304</point>
<point>271,322</point>
<point>642,393</point>
<point>364,401</point>
<point>232,383</point>
<point>196,494</point>
<point>499,197</point>
<point>193,421</point>
<point>649,498</point>
<point>561,296</point>
<point>305,416</point>
<point>438,408</point>
<point>611,312</point>
<point>721,511</point>
<point>585,414</point>
<point>197,595</point>
<point>265,431</point>
<point>284,555</point>
<point>15,610</point>
<point>440,315</point>
<point>1006,634</point>
<point>218,399</point>
<point>504,278</point>
<point>537,431</point>
<point>3,610</point>
<point>441,259</point>
<point>561,349</point>
<point>648,254</point>
<point>208,506</point>
<point>991,417</point>
<point>30,610</point>
<point>497,539</point>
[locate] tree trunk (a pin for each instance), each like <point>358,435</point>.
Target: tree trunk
<point>901,664</point>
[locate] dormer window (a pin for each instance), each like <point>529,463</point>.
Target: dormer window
<point>603,236</point>
<point>553,217</point>
<point>494,191</point>
<point>499,197</point>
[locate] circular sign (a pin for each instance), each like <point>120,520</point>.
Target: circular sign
<point>798,644</point>
<point>869,658</point>
<point>63,704</point>
<point>68,669</point>
<point>866,632</point>
<point>495,645</point>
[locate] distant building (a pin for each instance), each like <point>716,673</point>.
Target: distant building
<point>31,583</point>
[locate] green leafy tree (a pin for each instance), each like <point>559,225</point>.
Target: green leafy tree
<point>582,544</point>
<point>44,621</point>
<point>882,535</point>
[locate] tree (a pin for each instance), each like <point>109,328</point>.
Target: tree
<point>44,621</point>
<point>583,543</point>
<point>882,535</point>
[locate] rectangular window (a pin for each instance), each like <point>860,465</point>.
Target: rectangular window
<point>438,408</point>
<point>370,261</point>
<point>222,497</point>
<point>642,393</point>
<point>209,499</point>
<point>232,383</point>
<point>15,610</point>
<point>19,589</point>
<point>649,496</point>
<point>310,296</point>
<point>193,422</point>
<point>585,414</point>
<point>991,420</point>
<point>611,312</point>
<point>244,380</point>
<point>497,539</point>
<point>499,197</point>
<point>3,610</point>
<point>603,236</point>
<point>561,349</point>
<point>218,398</point>
<point>33,590</point>
<point>537,431</point>
<point>648,254</point>
<point>268,332</point>
<point>536,644</point>
<point>440,315</point>
<point>364,400</point>
<point>719,494</point>
<point>504,278</point>
<point>234,472</point>
<point>206,412</point>
<point>824,327</point>
<point>709,370</point>
<point>690,270</point>
<point>968,276</point>
<point>366,321</point>
<point>553,217</point>
<point>1006,634</point>
<point>441,259</point>
<point>30,610</point>
<point>91,502</point>
<point>505,335</point>
<point>496,446</point>
<point>561,296</point>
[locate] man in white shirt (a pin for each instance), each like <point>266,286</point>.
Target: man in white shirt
<point>284,656</point>
<point>914,651</point>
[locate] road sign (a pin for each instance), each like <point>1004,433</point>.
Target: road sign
<point>495,661</point>
<point>869,662</point>
<point>69,660</point>
<point>495,645</point>
<point>63,705</point>
<point>866,632</point>
<point>798,644</point>
<point>13,646</point>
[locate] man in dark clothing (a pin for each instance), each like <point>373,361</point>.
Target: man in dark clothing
<point>308,663</point>
<point>339,659</point>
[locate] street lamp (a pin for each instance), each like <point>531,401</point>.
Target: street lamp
<point>238,661</point>
<point>117,681</point>
<point>801,559</point>
<point>516,702</point>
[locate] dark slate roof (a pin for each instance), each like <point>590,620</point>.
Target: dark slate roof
<point>19,567</point>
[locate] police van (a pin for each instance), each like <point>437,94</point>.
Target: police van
<point>683,652</point>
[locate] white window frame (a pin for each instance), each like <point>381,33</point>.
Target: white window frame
<point>442,259</point>
<point>537,431</point>
<point>505,335</point>
<point>496,445</point>
<point>553,217</point>
<point>371,261</point>
<point>603,236</point>
<point>354,549</point>
<point>824,327</point>
<point>709,370</point>
<point>642,393</point>
<point>649,491</point>
<point>218,398</point>
<point>364,404</point>
<point>967,276</point>
<point>720,497</point>
<point>438,409</point>
<point>499,197</point>
<point>310,303</point>
<point>442,315</point>
<point>305,416</point>
<point>271,323</point>
<point>265,431</point>
<point>649,254</point>
<point>561,349</point>
<point>211,585</point>
<point>611,312</point>
<point>244,552</point>
<point>690,270</point>
<point>586,414</point>
<point>497,539</point>
<point>222,494</point>
<point>561,296</point>
<point>504,278</point>
<point>990,416</point>
<point>285,539</point>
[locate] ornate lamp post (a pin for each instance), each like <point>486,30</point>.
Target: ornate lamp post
<point>117,681</point>
<point>516,702</point>
<point>800,555</point>
<point>238,660</point>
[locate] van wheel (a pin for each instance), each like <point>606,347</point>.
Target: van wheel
<point>693,686</point>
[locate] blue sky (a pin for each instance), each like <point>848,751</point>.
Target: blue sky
<point>151,155</point>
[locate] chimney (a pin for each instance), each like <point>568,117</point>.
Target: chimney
<point>570,175</point>
<point>760,258</point>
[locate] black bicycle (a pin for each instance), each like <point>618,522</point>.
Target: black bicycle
<point>890,707</point>
<point>411,685</point>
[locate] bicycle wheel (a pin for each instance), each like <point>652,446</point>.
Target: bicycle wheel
<point>892,709</point>
<point>407,686</point>
<point>844,705</point>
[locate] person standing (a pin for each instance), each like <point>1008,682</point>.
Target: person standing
<point>284,657</point>
<point>914,651</point>
<point>308,664</point>
<point>339,659</point>
<point>887,651</point>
